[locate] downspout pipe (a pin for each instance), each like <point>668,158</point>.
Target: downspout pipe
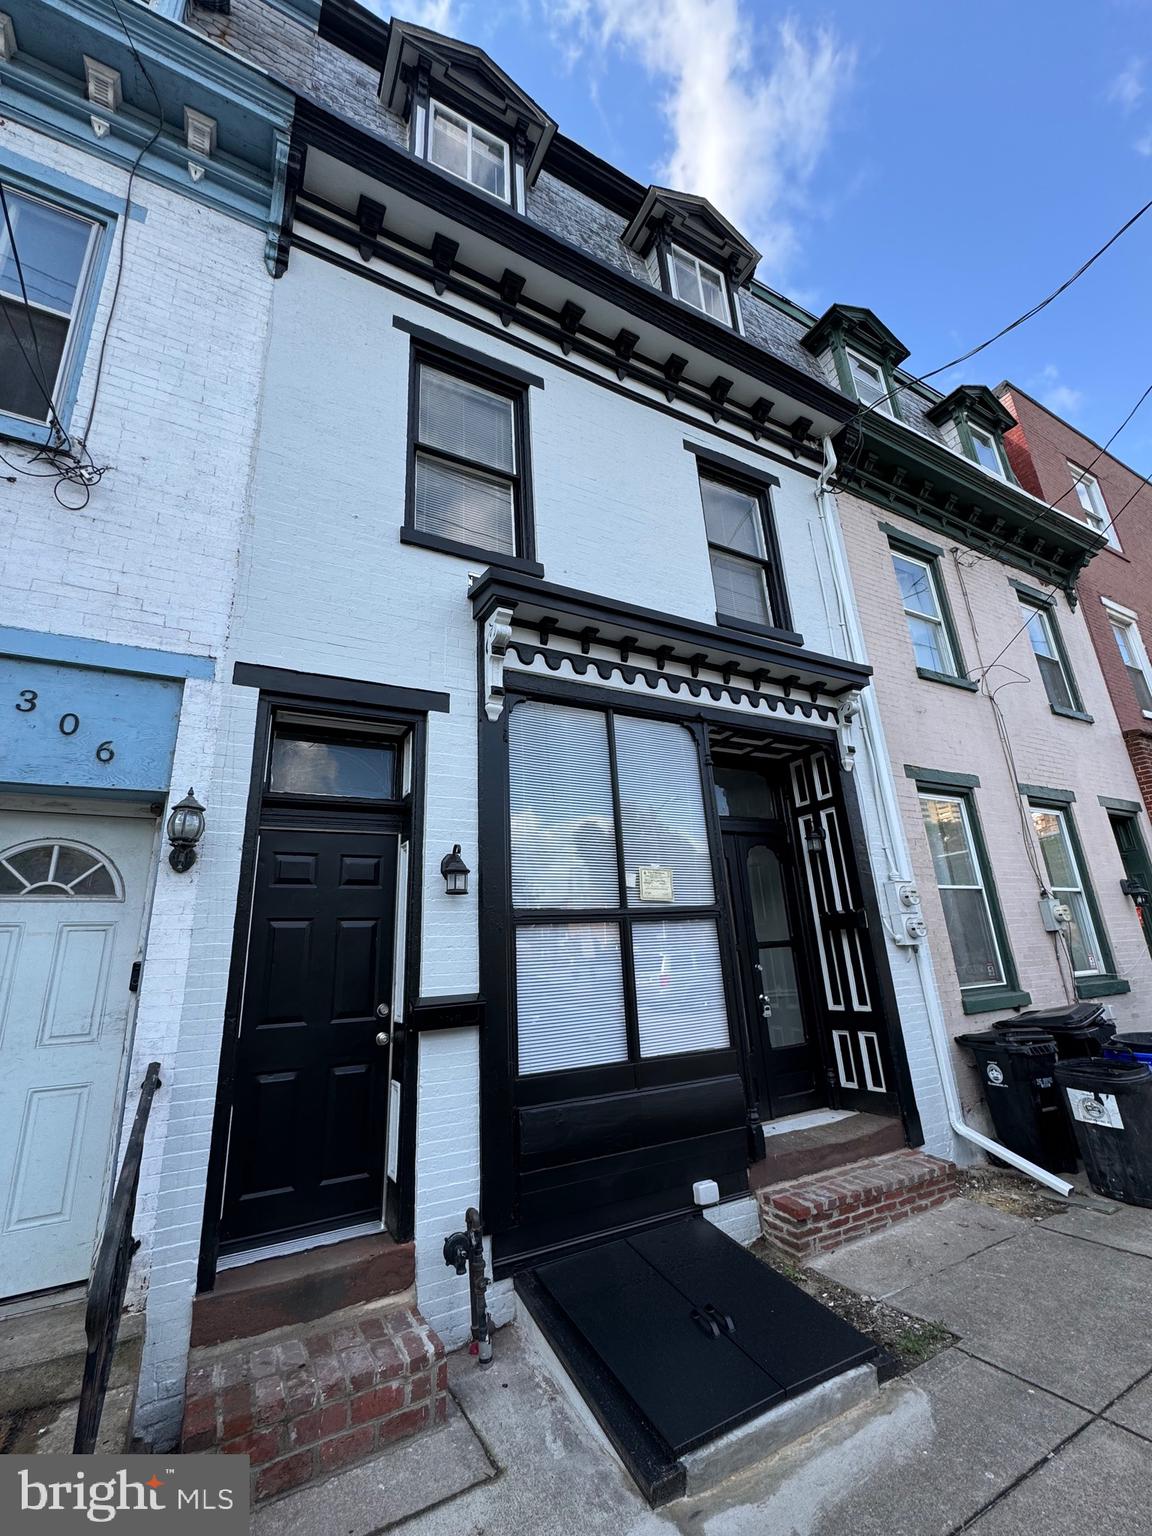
<point>875,747</point>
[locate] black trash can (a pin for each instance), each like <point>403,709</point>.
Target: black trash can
<point>1078,1031</point>
<point>1110,1105</point>
<point>1027,1110</point>
<point>1133,1044</point>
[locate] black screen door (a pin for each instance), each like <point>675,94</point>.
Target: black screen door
<point>786,1063</point>
<point>307,1144</point>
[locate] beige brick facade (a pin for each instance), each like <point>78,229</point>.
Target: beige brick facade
<point>944,728</point>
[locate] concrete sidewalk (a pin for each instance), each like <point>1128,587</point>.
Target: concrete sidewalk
<point>1038,1420</point>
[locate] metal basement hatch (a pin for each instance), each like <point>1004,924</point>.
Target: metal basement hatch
<point>676,1334</point>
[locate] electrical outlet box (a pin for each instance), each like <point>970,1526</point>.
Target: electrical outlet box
<point>706,1192</point>
<point>1054,914</point>
<point>905,920</point>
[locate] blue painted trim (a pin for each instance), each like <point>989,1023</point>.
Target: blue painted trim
<point>55,106</point>
<point>77,197</point>
<point>83,792</point>
<point>78,651</point>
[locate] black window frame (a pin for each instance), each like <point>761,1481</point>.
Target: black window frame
<point>759,487</point>
<point>636,1070</point>
<point>461,363</point>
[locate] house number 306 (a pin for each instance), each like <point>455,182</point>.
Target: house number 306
<point>68,723</point>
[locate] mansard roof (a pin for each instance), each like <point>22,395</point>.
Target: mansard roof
<point>470,78</point>
<point>694,220</point>
<point>856,325</point>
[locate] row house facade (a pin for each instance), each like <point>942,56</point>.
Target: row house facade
<point>585,802</point>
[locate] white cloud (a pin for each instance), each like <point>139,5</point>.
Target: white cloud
<point>436,15</point>
<point>748,116</point>
<point>1128,86</point>
<point>1050,391</point>
<point>1143,146</point>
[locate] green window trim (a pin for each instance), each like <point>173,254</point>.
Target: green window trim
<point>1045,603</point>
<point>964,432</point>
<point>1107,982</point>
<point>993,999</point>
<point>1123,807</point>
<point>1001,994</point>
<point>940,778</point>
<point>840,345</point>
<point>931,555</point>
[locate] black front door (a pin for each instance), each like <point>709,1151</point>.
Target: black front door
<point>307,1143</point>
<point>1137,870</point>
<point>785,1064</point>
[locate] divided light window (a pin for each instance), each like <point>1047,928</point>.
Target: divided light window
<point>1091,498</point>
<point>614,908</point>
<point>468,486</point>
<point>698,284</point>
<point>1135,661</point>
<point>1049,655</point>
<point>1066,882</point>
<point>741,547</point>
<point>963,891</point>
<point>985,450</point>
<point>869,383</point>
<point>923,608</point>
<point>44,257</point>
<point>457,145</point>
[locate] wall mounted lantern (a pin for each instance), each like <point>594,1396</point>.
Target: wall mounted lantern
<point>815,837</point>
<point>185,829</point>
<point>455,872</point>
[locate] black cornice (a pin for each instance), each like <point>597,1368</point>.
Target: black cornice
<point>376,157</point>
<point>580,168</point>
<point>350,27</point>
<point>907,473</point>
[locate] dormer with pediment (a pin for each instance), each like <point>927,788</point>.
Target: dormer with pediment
<point>465,116</point>
<point>860,355</point>
<point>973,422</point>
<point>692,252</point>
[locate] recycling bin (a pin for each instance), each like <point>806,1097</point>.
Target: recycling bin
<point>1081,1030</point>
<point>1132,1045</point>
<point>1028,1114</point>
<point>1110,1105</point>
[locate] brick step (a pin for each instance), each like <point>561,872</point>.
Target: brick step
<point>306,1401</point>
<point>812,1215</point>
<point>301,1287</point>
<point>797,1154</point>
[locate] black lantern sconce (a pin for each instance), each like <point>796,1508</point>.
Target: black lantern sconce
<point>455,872</point>
<point>185,829</point>
<point>815,837</point>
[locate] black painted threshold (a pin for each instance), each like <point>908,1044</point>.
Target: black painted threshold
<point>676,1336</point>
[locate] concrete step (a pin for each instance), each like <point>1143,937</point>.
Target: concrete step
<point>42,1355</point>
<point>49,1430</point>
<point>804,1217</point>
<point>304,1401</point>
<point>266,1294</point>
<point>797,1154</point>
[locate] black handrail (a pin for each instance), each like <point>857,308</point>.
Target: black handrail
<point>110,1276</point>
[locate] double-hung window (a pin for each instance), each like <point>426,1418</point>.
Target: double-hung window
<point>923,602</point>
<point>964,891</point>
<point>1134,657</point>
<point>986,451</point>
<point>45,258</point>
<point>742,550</point>
<point>1067,884</point>
<point>614,906</point>
<point>868,382</point>
<point>1091,499</point>
<point>468,481</point>
<point>457,145</point>
<point>1049,652</point>
<point>698,284</point>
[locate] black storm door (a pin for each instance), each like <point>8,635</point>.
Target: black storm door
<point>307,1142</point>
<point>774,971</point>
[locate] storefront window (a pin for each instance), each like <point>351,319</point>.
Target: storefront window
<point>608,830</point>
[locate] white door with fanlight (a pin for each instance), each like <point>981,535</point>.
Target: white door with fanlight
<point>72,894</point>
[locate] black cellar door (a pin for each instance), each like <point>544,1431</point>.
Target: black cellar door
<point>306,1150</point>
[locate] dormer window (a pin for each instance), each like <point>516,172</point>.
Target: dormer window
<point>460,147</point>
<point>698,284</point>
<point>985,451</point>
<point>868,382</point>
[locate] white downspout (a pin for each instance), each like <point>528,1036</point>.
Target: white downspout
<point>896,844</point>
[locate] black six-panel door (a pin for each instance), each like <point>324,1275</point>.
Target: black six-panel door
<point>307,1142</point>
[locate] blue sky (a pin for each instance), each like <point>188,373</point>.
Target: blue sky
<point>945,165</point>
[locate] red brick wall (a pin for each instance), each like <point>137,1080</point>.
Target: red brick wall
<point>1039,449</point>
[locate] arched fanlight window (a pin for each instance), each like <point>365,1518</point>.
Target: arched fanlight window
<point>30,871</point>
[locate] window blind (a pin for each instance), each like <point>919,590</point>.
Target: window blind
<point>662,808</point>
<point>679,987</point>
<point>569,996</point>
